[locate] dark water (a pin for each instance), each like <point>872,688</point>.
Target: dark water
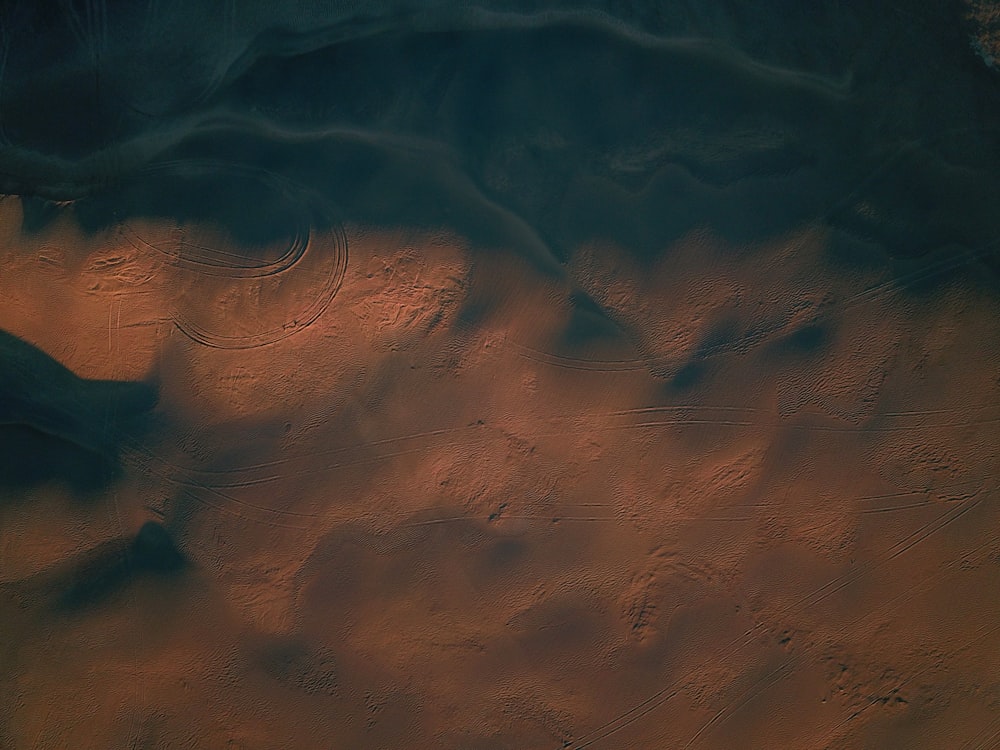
<point>541,127</point>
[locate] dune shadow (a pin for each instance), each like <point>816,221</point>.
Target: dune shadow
<point>104,572</point>
<point>807,340</point>
<point>588,323</point>
<point>56,426</point>
<point>725,335</point>
<point>30,458</point>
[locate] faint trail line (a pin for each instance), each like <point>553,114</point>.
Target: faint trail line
<point>187,488</point>
<point>334,467</point>
<point>584,418</point>
<point>209,479</point>
<point>342,449</point>
<point>554,518</point>
<point>759,686</point>
<point>905,493</point>
<point>988,737</point>
<point>787,425</point>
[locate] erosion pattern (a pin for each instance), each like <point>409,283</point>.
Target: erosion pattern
<point>450,375</point>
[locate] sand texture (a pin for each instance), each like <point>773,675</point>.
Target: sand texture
<point>495,376</point>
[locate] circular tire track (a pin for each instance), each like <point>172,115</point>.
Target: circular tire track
<point>311,226</point>
<point>213,261</point>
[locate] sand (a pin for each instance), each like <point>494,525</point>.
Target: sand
<point>476,378</point>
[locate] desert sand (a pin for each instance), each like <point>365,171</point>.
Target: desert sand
<point>478,377</point>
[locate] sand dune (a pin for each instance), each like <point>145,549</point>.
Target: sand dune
<point>593,375</point>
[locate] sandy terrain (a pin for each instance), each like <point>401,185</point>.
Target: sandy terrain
<point>485,379</point>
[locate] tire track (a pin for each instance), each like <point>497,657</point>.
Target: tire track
<point>224,503</point>
<point>144,460</point>
<point>301,322</point>
<point>307,214</point>
<point>987,735</point>
<point>556,517</point>
<point>311,457</point>
<point>775,424</point>
<point>213,261</point>
<point>278,468</point>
